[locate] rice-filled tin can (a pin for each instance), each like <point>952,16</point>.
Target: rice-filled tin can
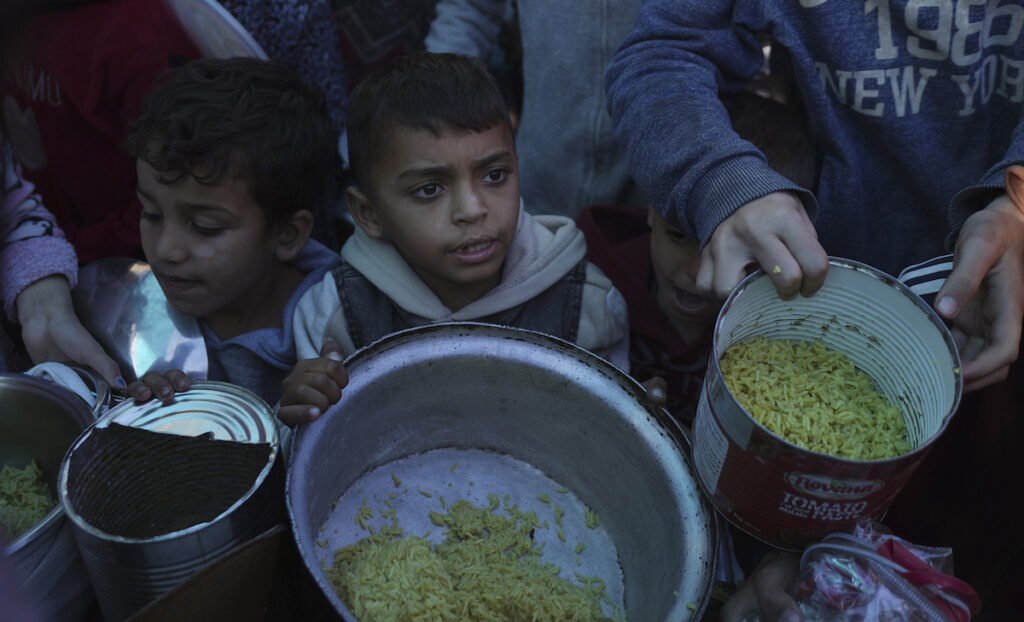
<point>784,494</point>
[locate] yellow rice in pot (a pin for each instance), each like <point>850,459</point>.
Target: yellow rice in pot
<point>487,569</point>
<point>815,398</point>
<point>24,499</point>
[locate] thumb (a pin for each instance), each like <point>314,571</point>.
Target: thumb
<point>332,350</point>
<point>969,268</point>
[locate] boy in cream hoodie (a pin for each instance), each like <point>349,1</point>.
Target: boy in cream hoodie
<point>442,235</point>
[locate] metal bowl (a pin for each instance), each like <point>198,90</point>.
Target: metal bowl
<point>120,302</point>
<point>39,420</point>
<point>520,408</point>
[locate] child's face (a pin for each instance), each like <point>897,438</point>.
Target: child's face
<point>449,204</point>
<point>208,245</point>
<point>676,259</point>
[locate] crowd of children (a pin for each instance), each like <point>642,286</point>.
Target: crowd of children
<point>216,173</point>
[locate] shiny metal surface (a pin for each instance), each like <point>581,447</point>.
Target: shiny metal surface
<point>120,302</point>
<point>513,402</point>
<point>39,420</point>
<point>221,410</point>
<point>128,573</point>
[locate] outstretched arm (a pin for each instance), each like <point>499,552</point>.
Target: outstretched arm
<point>662,88</point>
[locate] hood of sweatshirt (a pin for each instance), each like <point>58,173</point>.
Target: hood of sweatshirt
<point>543,250</point>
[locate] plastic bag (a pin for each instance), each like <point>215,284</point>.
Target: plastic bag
<point>873,575</point>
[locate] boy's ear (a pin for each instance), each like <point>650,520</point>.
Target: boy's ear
<point>292,235</point>
<point>362,211</point>
<point>1014,183</point>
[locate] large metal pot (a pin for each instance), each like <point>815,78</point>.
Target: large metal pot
<point>39,420</point>
<point>523,398</point>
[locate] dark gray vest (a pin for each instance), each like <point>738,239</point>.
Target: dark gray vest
<point>370,314</point>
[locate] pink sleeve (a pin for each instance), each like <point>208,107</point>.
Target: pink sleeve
<point>31,244</point>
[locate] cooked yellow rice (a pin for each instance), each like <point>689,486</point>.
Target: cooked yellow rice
<point>815,398</point>
<point>24,499</point>
<point>486,569</point>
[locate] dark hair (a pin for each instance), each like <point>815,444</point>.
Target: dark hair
<point>421,91</point>
<point>779,132</point>
<point>253,120</point>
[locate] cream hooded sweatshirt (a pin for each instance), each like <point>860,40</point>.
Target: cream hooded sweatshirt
<point>544,249</point>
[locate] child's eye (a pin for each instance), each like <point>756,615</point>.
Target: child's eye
<point>207,231</point>
<point>496,176</point>
<point>150,216</point>
<point>427,191</point>
<point>679,237</point>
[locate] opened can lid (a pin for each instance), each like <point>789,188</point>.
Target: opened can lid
<point>218,410</point>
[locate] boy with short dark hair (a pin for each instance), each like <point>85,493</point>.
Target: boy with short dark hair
<point>232,156</point>
<point>441,233</point>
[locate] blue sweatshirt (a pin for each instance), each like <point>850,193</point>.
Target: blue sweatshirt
<point>916,110</point>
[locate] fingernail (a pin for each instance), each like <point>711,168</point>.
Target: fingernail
<point>657,393</point>
<point>946,306</point>
<point>335,356</point>
<point>314,412</point>
<point>120,383</point>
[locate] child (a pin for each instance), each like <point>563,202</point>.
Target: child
<point>231,156</point>
<point>441,235</point>
<point>655,265</point>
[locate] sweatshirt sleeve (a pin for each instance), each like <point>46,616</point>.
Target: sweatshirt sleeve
<point>977,196</point>
<point>467,27</point>
<point>31,246</point>
<point>662,88</point>
<point>604,320</point>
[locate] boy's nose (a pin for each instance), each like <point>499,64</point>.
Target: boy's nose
<point>170,248</point>
<point>468,206</point>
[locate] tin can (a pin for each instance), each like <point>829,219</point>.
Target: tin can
<point>789,496</point>
<point>156,491</point>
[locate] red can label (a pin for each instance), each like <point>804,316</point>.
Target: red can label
<point>784,495</point>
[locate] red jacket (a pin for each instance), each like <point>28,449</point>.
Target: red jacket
<point>619,242</point>
<point>76,80</point>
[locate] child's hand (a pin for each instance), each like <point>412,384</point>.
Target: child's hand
<point>766,593</point>
<point>162,386</point>
<point>52,332</point>
<point>313,386</point>
<point>774,232</point>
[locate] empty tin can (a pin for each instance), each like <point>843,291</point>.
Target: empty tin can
<point>156,491</point>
